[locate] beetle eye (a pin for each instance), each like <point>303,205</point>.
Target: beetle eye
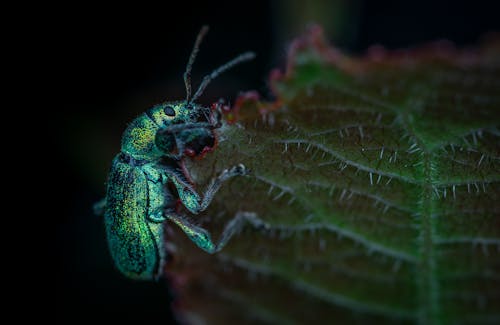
<point>169,111</point>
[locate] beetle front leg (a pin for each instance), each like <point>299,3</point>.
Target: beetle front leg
<point>202,238</point>
<point>192,201</point>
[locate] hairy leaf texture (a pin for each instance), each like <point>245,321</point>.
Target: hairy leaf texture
<point>378,179</point>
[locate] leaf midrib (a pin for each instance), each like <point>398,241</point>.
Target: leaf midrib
<point>426,281</point>
<point>428,311</point>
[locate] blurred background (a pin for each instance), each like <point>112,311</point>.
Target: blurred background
<point>117,62</point>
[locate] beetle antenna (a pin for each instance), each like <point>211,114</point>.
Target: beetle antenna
<point>237,60</point>
<point>192,57</point>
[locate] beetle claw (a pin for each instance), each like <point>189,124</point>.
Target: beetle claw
<point>240,169</point>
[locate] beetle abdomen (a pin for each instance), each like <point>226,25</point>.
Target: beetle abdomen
<point>131,242</point>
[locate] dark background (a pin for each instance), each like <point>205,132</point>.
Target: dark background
<point>116,62</point>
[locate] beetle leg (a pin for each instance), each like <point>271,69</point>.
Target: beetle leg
<point>99,207</point>
<point>156,217</point>
<point>236,224</point>
<point>202,238</point>
<point>215,184</point>
<point>192,201</point>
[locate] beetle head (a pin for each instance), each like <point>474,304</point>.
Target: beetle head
<point>187,128</point>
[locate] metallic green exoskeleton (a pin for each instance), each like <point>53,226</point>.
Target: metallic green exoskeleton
<point>147,179</point>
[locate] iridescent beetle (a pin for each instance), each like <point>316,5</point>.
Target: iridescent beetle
<point>147,179</point>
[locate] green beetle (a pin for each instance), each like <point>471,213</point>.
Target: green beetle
<point>147,179</point>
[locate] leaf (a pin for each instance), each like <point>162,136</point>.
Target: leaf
<point>379,180</point>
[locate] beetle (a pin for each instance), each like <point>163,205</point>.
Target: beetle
<point>147,179</point>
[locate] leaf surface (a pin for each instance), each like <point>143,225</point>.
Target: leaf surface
<point>379,181</point>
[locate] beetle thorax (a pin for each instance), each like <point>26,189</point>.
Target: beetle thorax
<point>138,140</point>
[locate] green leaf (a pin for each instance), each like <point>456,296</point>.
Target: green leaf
<point>379,180</point>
